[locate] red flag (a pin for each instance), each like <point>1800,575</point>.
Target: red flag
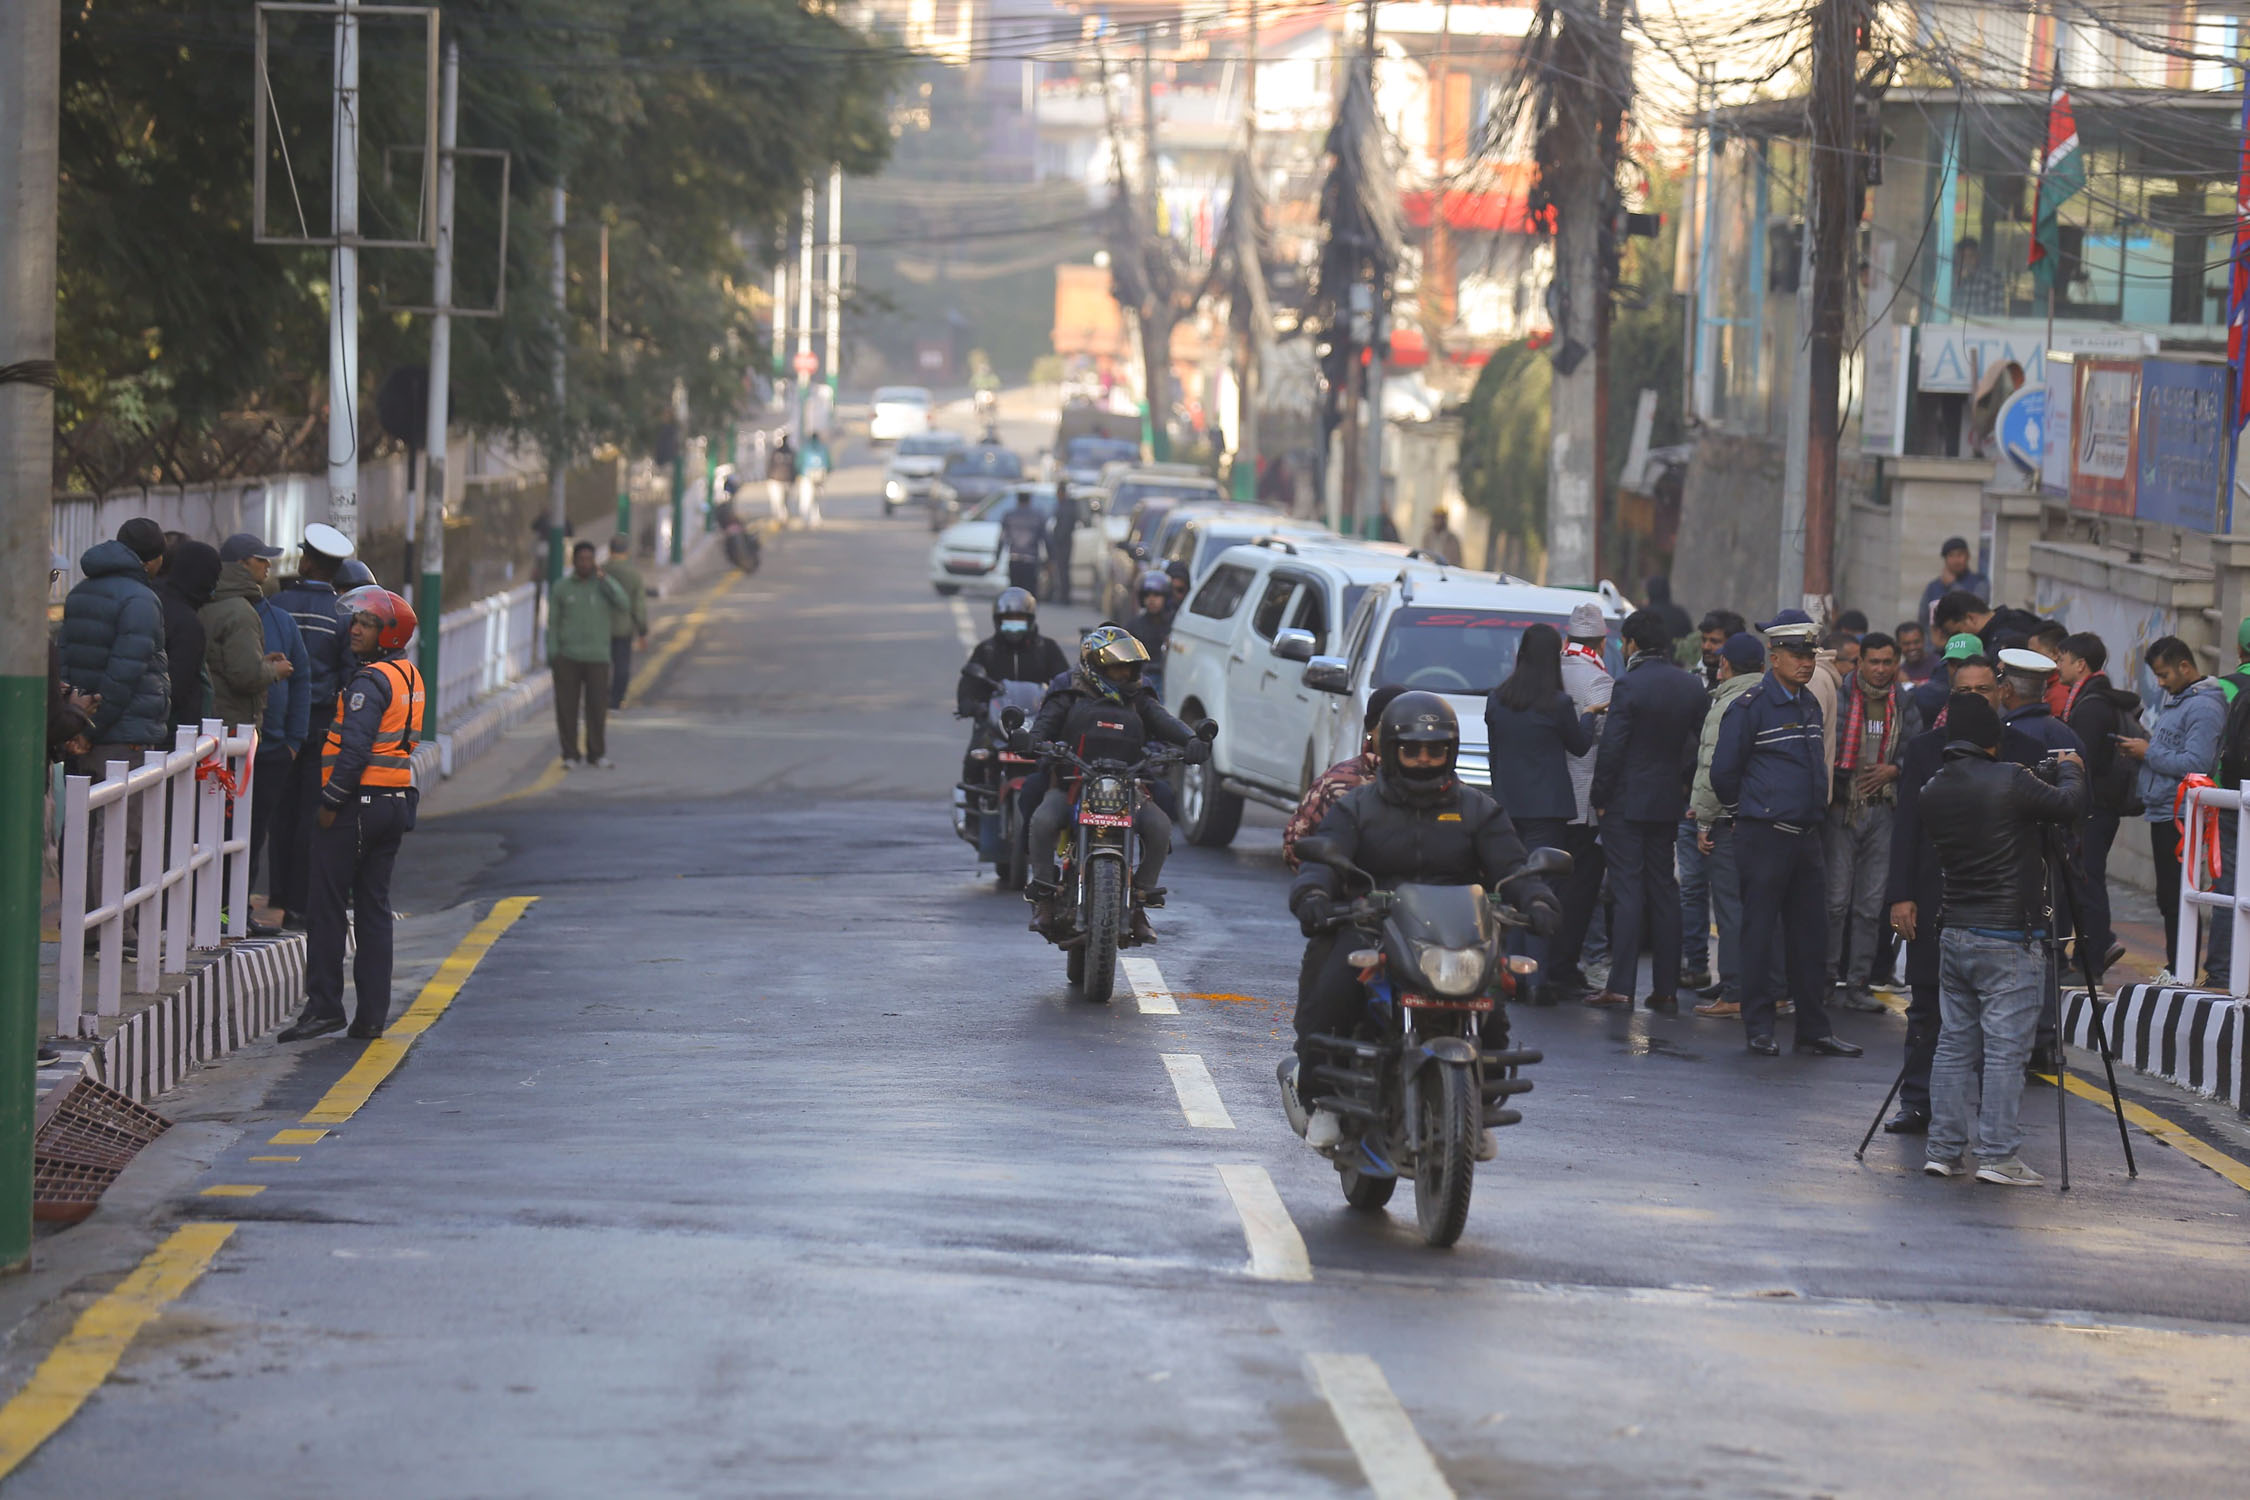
<point>2238,293</point>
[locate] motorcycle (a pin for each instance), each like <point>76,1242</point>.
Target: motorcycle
<point>988,812</point>
<point>744,549</point>
<point>1414,1080</point>
<point>1097,853</point>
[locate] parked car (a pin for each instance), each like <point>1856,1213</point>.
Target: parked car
<point>968,555</point>
<point>1083,459</point>
<point>914,467</point>
<point>1196,534</point>
<point>1258,648</point>
<point>971,476</point>
<point>1141,497</point>
<point>899,411</point>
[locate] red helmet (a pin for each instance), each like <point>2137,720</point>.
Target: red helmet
<point>393,616</point>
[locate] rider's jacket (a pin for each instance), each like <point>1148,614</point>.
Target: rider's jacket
<point>1457,837</point>
<point>1099,727</point>
<point>1033,659</point>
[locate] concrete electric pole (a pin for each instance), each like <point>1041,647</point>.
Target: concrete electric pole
<point>343,282</point>
<point>558,459</point>
<point>1833,227</point>
<point>1578,187</point>
<point>804,316</point>
<point>835,304</point>
<point>430,598</point>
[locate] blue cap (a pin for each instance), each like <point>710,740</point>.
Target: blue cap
<point>1743,651</point>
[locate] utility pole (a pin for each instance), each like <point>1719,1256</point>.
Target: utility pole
<point>431,601</point>
<point>1574,159</point>
<point>804,313</point>
<point>1158,317</point>
<point>1832,226</point>
<point>679,472</point>
<point>558,459</point>
<point>835,307</point>
<point>343,281</point>
<point>1378,341</point>
<point>30,111</point>
<point>1246,375</point>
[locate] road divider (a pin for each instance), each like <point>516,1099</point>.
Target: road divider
<point>1199,1096</point>
<point>1391,1453</point>
<point>1277,1251</point>
<point>1149,988</point>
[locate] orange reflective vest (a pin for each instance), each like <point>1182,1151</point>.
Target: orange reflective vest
<point>391,762</point>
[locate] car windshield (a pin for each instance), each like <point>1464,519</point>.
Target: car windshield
<point>1136,492</point>
<point>902,395</point>
<point>1042,500</point>
<point>925,445</point>
<point>1093,452</point>
<point>1216,539</point>
<point>1463,651</point>
<point>990,463</point>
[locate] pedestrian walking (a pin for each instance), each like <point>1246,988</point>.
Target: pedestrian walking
<point>2100,715</point>
<point>1532,730</point>
<point>1440,540</point>
<point>1641,774</point>
<point>190,574</point>
<point>628,628</point>
<point>1878,722</point>
<point>1955,576</point>
<point>367,804</point>
<point>581,610</point>
<point>235,657</point>
<point>1586,678</point>
<point>310,600</point>
<point>2184,741</point>
<point>1061,535</point>
<point>781,478</point>
<point>1769,768</point>
<point>812,473</point>
<point>1986,818</point>
<point>1023,533</point>
<point>1742,663</point>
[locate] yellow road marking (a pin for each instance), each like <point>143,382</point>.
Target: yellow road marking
<point>2179,1139</point>
<point>98,1340</point>
<point>387,1051</point>
<point>234,1190</point>
<point>277,1158</point>
<point>545,781</point>
<point>682,634</point>
<point>296,1137</point>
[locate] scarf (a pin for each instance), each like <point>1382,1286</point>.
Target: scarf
<point>1855,725</point>
<point>1100,686</point>
<point>2070,697</point>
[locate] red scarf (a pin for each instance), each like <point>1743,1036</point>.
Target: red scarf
<point>2070,695</point>
<point>1855,724</point>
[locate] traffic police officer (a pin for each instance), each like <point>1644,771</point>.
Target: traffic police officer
<point>367,801</point>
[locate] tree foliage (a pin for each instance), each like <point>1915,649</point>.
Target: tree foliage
<point>688,126</point>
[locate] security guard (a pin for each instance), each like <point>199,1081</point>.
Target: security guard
<point>367,801</point>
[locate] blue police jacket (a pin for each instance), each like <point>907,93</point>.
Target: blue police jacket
<point>2038,724</point>
<point>1769,762</point>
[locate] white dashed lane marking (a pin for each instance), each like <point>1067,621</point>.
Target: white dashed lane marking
<point>1149,988</point>
<point>1199,1096</point>
<point>965,626</point>
<point>1277,1251</point>
<point>1391,1453</point>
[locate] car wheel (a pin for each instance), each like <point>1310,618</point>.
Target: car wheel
<point>948,590</point>
<point>1209,815</point>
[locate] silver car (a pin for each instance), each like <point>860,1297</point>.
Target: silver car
<point>915,465</point>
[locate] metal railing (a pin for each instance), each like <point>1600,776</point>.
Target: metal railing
<point>485,646</point>
<point>2206,805</point>
<point>191,866</point>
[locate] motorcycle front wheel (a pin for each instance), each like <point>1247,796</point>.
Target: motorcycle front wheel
<point>1365,1192</point>
<point>1105,919</point>
<point>1015,851</point>
<point>1446,1161</point>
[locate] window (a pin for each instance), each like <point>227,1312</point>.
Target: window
<point>1355,639</point>
<point>1273,606</point>
<point>1221,594</point>
<point>1312,614</point>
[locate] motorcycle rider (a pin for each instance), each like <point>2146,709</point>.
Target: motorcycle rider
<point>1014,652</point>
<point>1416,822</point>
<point>1152,627</point>
<point>1108,679</point>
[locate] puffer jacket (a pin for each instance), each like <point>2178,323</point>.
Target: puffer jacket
<point>1983,817</point>
<point>234,647</point>
<point>2184,741</point>
<point>1459,837</point>
<point>113,644</point>
<point>288,702</point>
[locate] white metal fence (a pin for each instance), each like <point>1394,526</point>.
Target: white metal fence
<point>2206,807</point>
<point>485,646</point>
<point>190,866</point>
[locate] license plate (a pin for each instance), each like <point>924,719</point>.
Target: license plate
<point>1105,820</point>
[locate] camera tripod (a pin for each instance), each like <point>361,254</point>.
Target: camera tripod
<point>2058,878</point>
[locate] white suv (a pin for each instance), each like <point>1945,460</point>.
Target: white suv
<point>1258,648</point>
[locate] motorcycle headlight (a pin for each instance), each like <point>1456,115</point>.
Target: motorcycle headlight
<point>1450,971</point>
<point>1107,795</point>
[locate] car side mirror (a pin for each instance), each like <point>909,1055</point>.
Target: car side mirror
<point>1011,719</point>
<point>1328,674</point>
<point>1294,645</point>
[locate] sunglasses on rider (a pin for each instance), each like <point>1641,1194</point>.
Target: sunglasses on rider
<point>1422,755</point>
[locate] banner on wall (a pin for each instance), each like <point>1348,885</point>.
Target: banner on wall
<point>2180,457</point>
<point>2105,434</point>
<point>1883,401</point>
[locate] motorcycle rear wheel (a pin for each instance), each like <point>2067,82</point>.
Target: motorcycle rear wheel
<point>1446,1162</point>
<point>1105,920</point>
<point>1364,1192</point>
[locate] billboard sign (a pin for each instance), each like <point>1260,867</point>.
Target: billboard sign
<point>2105,434</point>
<point>2180,458</point>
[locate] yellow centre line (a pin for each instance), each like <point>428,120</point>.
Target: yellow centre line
<point>97,1341</point>
<point>386,1052</point>
<point>682,635</point>
<point>2186,1142</point>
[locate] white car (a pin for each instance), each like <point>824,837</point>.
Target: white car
<point>899,411</point>
<point>968,554</point>
<point>1258,648</point>
<point>914,465</point>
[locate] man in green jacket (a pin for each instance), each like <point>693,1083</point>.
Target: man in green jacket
<point>579,611</point>
<point>1741,668</point>
<point>234,638</point>
<point>630,625</point>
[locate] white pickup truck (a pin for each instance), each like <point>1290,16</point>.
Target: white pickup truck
<point>1283,640</point>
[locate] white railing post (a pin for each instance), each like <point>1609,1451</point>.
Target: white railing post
<point>243,762</point>
<point>179,854</point>
<point>148,915</point>
<point>111,978</point>
<point>2238,922</point>
<point>70,951</point>
<point>210,835</point>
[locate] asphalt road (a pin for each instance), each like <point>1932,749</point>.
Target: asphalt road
<point>768,1154</point>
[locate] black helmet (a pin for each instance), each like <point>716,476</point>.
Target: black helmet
<point>1418,718</point>
<point>1109,647</point>
<point>1019,605</point>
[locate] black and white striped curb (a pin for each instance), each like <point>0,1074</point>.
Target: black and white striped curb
<point>229,998</point>
<point>2191,1037</point>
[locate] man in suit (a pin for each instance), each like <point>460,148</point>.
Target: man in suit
<point>1641,773</point>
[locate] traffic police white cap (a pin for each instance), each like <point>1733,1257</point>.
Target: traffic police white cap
<point>328,541</point>
<point>2017,659</point>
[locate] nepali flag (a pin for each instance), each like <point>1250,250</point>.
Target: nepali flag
<point>2238,294</point>
<point>2062,176</point>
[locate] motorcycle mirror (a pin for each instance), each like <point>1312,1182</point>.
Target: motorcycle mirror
<point>1318,850</point>
<point>1207,730</point>
<point>1542,862</point>
<point>1011,718</point>
<point>975,672</point>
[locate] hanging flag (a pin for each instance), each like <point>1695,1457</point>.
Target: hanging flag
<point>2238,292</point>
<point>2062,175</point>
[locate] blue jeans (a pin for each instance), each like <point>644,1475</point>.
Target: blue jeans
<point>1989,991</point>
<point>1695,902</point>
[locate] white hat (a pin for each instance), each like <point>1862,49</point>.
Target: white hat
<point>2017,659</point>
<point>328,541</point>
<point>1587,622</point>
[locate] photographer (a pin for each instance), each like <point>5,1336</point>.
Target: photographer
<point>1984,816</point>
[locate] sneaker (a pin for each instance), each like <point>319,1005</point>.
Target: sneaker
<point>1488,1145</point>
<point>1858,997</point>
<point>603,763</point>
<point>2008,1172</point>
<point>1324,1129</point>
<point>1957,1166</point>
<point>570,762</point>
<point>1785,1008</point>
<point>2165,979</point>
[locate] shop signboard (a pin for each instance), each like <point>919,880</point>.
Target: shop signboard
<point>2180,458</point>
<point>2105,432</point>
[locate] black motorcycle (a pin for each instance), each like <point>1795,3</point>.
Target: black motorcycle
<point>1098,853</point>
<point>1414,1080</point>
<point>987,809</point>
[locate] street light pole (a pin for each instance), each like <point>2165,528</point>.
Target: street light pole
<point>431,600</point>
<point>804,313</point>
<point>835,308</point>
<point>558,463</point>
<point>343,282</point>
<point>30,106</point>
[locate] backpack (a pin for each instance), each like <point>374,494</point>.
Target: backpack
<point>2234,736</point>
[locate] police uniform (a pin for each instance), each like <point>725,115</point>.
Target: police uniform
<point>367,781</point>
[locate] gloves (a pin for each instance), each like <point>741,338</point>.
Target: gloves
<point>1315,910</point>
<point>1196,752</point>
<point>1544,914</point>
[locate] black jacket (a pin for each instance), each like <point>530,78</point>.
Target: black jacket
<point>1915,875</point>
<point>184,588</point>
<point>1649,738</point>
<point>2037,722</point>
<point>1097,729</point>
<point>1983,816</point>
<point>2100,712</point>
<point>1035,659</point>
<point>1154,632</point>
<point>1460,838</point>
<point>2008,626</point>
<point>1530,756</point>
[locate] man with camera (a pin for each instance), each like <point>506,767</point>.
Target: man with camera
<point>1988,820</point>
